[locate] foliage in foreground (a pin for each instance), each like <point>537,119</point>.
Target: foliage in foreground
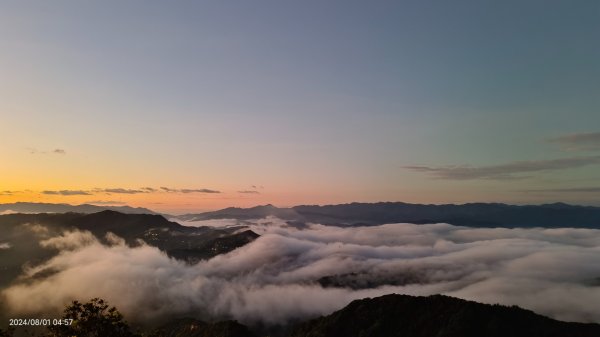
<point>97,319</point>
<point>92,319</point>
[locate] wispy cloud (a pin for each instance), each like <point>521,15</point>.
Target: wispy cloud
<point>249,192</point>
<point>67,192</point>
<point>166,189</point>
<point>201,190</point>
<point>55,151</point>
<point>568,190</point>
<point>189,190</point>
<point>123,191</point>
<point>578,141</point>
<point>34,151</point>
<point>512,170</point>
<point>106,202</point>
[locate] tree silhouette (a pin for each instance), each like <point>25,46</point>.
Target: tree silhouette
<point>92,319</point>
<point>7,333</point>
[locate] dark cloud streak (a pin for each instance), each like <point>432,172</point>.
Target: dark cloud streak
<point>189,190</point>
<point>55,151</point>
<point>122,191</point>
<point>578,141</point>
<point>67,192</point>
<point>569,190</point>
<point>201,190</point>
<point>106,202</point>
<point>512,170</point>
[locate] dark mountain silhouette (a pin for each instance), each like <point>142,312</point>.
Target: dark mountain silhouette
<point>401,316</point>
<point>36,207</point>
<point>205,249</point>
<point>437,316</point>
<point>124,225</point>
<point>189,327</point>
<point>355,214</point>
<point>257,212</point>
<point>471,215</point>
<point>190,244</point>
<point>386,316</point>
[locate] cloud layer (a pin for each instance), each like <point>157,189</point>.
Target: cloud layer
<point>579,141</point>
<point>55,151</point>
<point>273,279</point>
<point>512,170</point>
<point>249,192</point>
<point>67,192</point>
<point>588,189</point>
<point>120,190</point>
<point>189,190</point>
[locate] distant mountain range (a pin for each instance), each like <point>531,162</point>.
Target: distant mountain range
<point>257,212</point>
<point>37,207</point>
<point>471,215</point>
<point>368,214</point>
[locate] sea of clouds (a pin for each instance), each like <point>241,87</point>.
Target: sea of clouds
<point>273,280</point>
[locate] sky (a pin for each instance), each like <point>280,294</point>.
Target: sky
<point>199,105</point>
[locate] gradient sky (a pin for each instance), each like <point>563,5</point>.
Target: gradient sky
<point>304,102</point>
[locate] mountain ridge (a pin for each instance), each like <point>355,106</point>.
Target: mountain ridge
<point>41,207</point>
<point>488,215</point>
<point>399,315</point>
<point>437,316</point>
<point>469,214</point>
<point>188,244</point>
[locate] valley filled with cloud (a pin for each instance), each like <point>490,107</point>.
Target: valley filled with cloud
<point>294,272</point>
